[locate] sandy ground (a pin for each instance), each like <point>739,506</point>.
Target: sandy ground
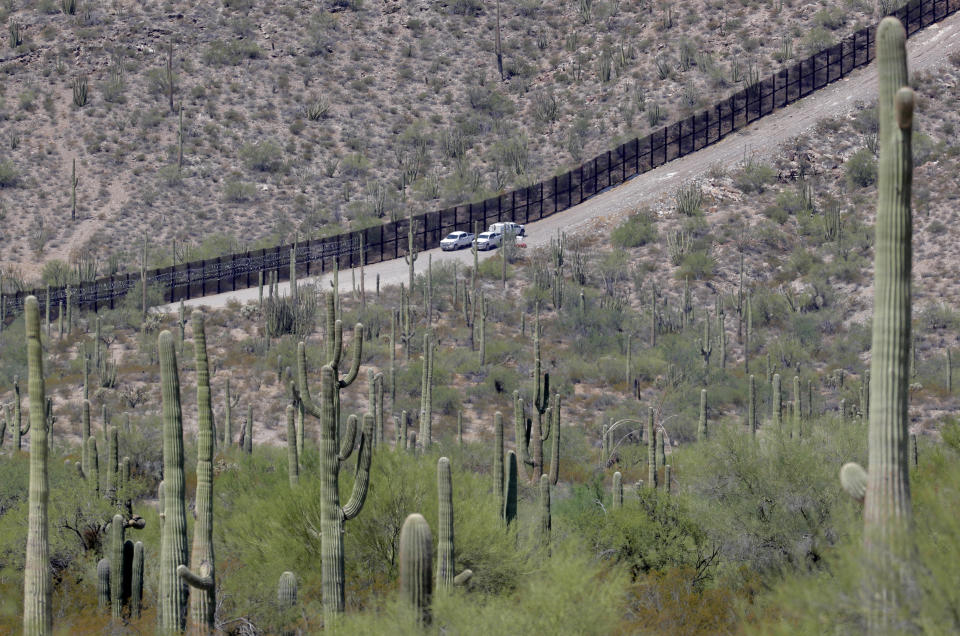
<point>926,50</point>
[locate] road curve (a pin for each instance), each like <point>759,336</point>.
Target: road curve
<point>926,50</point>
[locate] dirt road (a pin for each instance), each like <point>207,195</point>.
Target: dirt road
<point>926,50</point>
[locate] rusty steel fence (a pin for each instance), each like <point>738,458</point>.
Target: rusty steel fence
<point>613,167</point>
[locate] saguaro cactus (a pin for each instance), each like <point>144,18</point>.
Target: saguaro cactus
<point>333,515</point>
<point>617,490</point>
<point>136,580</point>
<point>172,604</point>
<point>228,404</point>
<point>37,618</point>
<point>17,423</point>
<point>416,559</point>
<point>426,394</point>
<point>201,575</point>
<point>116,566</point>
<point>446,552</point>
<point>498,476</point>
<point>93,466</point>
<point>777,401</point>
<point>287,589</point>
<point>510,501</point>
<point>530,439</point>
<point>546,520</point>
<point>84,435</point>
<point>887,505</point>
<point>334,350</point>
<point>103,585</point>
<point>293,465</point>
<point>651,450</point>
<point>555,453</point>
<point>248,432</point>
<point>702,427</point>
<point>752,406</point>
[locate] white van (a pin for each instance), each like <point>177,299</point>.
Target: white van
<point>508,226</point>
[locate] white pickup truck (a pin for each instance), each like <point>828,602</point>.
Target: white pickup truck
<point>507,226</point>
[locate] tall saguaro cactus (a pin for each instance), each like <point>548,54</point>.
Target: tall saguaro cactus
<point>777,401</point>
<point>530,439</point>
<point>651,450</point>
<point>18,429</point>
<point>446,552</point>
<point>172,605</point>
<point>426,394</point>
<point>498,475</point>
<point>333,515</point>
<point>201,574</point>
<point>702,426</point>
<point>37,618</point>
<point>887,506</point>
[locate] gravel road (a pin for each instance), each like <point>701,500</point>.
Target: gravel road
<point>926,50</point>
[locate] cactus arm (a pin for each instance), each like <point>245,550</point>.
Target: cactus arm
<point>349,440</point>
<point>202,581</point>
<point>357,353</point>
<point>522,432</point>
<point>37,617</point>
<point>335,347</point>
<point>548,414</point>
<point>303,389</point>
<point>555,451</point>
<point>853,478</point>
<point>361,480</point>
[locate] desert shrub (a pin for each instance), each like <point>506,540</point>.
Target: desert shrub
<point>636,230</point>
<point>220,53</point>
<point>775,504</point>
<point>806,600</point>
<point>9,176</point>
<point>650,532</point>
<point>861,168</point>
<point>264,156</point>
<point>697,265</point>
<point>754,176</point>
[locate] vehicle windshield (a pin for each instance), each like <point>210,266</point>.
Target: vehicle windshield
<point>455,235</point>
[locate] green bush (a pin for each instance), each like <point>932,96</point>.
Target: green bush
<point>697,265</point>
<point>9,177</point>
<point>861,168</point>
<point>754,176</point>
<point>636,230</point>
<point>263,156</point>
